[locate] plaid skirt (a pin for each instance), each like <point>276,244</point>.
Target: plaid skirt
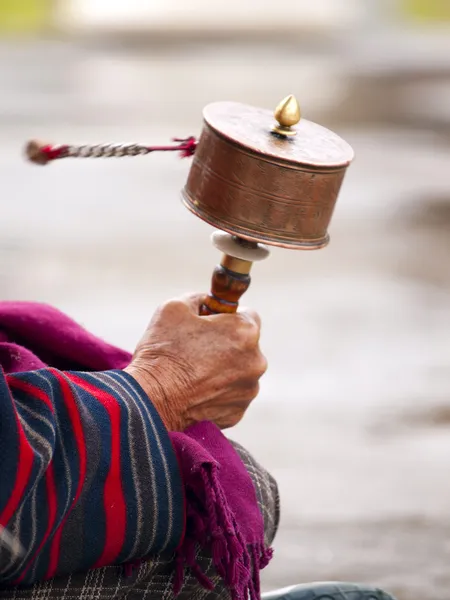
<point>153,579</point>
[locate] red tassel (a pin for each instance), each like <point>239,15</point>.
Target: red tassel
<point>54,152</point>
<point>187,147</point>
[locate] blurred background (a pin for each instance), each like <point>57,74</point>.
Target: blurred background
<point>354,413</point>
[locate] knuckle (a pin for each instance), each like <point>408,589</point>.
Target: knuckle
<point>262,364</point>
<point>251,317</point>
<point>236,418</point>
<point>173,306</point>
<point>172,303</point>
<point>258,367</point>
<point>254,391</point>
<point>247,333</point>
<point>248,395</point>
<point>255,318</point>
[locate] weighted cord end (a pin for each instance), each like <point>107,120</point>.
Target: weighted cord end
<point>34,151</point>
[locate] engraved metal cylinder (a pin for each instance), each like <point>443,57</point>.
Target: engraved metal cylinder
<point>251,183</point>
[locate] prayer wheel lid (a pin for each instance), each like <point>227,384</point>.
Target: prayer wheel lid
<point>281,135</point>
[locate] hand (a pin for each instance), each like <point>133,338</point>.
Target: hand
<point>199,368</point>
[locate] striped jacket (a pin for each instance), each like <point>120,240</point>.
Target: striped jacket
<point>88,475</point>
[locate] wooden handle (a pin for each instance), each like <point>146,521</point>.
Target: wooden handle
<point>231,278</point>
<point>227,287</point>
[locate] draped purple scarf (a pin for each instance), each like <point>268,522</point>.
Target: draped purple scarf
<point>222,514</point>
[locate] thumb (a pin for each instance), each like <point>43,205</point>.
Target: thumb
<point>250,315</point>
<point>194,301</point>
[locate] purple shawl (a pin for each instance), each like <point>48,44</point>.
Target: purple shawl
<point>222,514</point>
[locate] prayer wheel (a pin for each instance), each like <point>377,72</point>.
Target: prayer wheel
<point>261,178</point>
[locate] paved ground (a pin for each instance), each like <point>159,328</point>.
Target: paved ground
<point>354,413</point>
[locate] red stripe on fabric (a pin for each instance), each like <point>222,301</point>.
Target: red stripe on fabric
<point>74,416</point>
<point>77,427</point>
<point>52,506</point>
<point>24,467</point>
<point>113,497</point>
<point>55,550</point>
<point>29,388</point>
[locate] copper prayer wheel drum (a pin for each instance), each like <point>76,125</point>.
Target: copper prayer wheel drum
<point>277,187</point>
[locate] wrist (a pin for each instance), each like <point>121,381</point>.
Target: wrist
<point>156,394</point>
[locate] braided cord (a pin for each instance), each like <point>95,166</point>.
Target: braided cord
<point>42,154</point>
<point>106,151</point>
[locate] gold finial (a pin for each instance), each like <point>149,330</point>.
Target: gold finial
<point>287,113</point>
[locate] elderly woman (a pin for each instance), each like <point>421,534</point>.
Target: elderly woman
<point>116,480</point>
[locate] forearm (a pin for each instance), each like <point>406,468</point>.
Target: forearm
<point>89,476</point>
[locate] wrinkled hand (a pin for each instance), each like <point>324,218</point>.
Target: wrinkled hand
<point>199,368</point>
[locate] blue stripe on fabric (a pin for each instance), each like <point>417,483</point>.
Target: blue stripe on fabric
<point>65,457</point>
<point>170,484</point>
<point>65,446</point>
<point>9,443</point>
<point>41,422</point>
<point>94,519</point>
<point>39,567</point>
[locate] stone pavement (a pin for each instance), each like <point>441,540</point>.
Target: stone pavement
<point>354,413</point>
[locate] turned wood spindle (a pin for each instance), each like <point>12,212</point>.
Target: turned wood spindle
<point>231,278</point>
